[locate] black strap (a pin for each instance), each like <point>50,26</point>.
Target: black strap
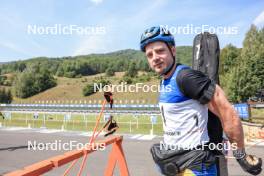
<point>171,67</point>
<point>208,94</point>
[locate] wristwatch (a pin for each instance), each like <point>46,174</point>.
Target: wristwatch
<point>239,153</point>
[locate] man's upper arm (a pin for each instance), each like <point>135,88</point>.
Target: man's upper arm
<point>196,85</point>
<point>219,104</point>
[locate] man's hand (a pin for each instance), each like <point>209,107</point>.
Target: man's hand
<point>249,163</point>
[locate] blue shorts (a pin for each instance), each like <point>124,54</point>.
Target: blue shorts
<point>209,171</point>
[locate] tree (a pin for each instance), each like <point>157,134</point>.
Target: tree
<point>32,81</point>
<point>9,96</point>
<point>228,58</point>
<point>143,65</point>
<point>88,90</point>
<point>60,71</point>
<point>132,71</point>
<point>21,66</point>
<point>24,84</point>
<point>43,81</point>
<point>110,72</point>
<point>5,96</point>
<point>2,80</point>
<point>248,76</point>
<point>2,95</point>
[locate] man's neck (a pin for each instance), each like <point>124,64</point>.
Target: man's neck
<point>170,73</point>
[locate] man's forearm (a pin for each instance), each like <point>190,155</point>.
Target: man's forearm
<point>229,118</point>
<point>233,127</point>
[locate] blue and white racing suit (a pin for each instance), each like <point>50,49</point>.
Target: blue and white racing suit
<point>184,116</point>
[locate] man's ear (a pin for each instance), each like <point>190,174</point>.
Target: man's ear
<point>173,49</point>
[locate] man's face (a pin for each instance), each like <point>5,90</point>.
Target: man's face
<point>159,56</point>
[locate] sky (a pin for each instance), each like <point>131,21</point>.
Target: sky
<point>56,28</point>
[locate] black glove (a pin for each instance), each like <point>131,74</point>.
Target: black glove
<point>249,163</point>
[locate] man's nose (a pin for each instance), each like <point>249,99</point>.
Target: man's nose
<point>155,57</point>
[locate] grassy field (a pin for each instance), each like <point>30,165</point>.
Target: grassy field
<point>257,115</point>
<point>257,112</point>
<point>86,122</point>
<point>127,123</point>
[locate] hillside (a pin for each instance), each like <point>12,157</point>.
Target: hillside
<point>69,90</point>
<point>73,73</point>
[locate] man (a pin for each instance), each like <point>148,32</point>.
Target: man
<point>184,100</point>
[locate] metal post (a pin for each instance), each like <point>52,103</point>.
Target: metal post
<point>44,120</point>
<point>72,123</point>
<point>34,118</point>
<point>65,127</point>
<point>10,118</point>
<point>26,119</point>
<point>130,128</point>
<point>86,126</point>
<point>152,129</point>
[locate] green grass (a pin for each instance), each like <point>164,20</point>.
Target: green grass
<point>257,115</point>
<point>257,112</point>
<point>79,122</point>
<point>127,123</point>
